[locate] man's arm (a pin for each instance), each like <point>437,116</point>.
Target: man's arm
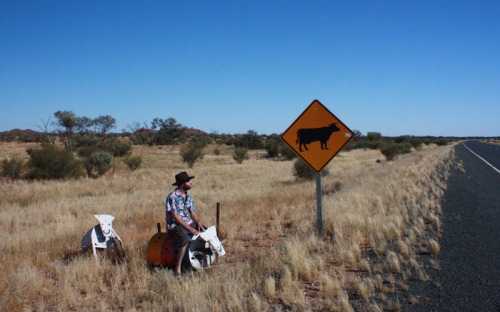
<point>179,221</point>
<point>197,221</point>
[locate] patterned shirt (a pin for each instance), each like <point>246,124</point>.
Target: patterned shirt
<point>175,202</point>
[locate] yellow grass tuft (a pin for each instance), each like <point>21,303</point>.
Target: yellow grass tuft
<point>434,246</point>
<point>330,287</point>
<point>270,288</point>
<point>393,262</point>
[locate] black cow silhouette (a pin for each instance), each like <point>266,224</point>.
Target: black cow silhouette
<point>309,135</point>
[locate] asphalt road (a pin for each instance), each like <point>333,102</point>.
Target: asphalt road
<point>469,275</point>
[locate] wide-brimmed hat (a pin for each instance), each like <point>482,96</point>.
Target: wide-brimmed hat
<point>182,178</point>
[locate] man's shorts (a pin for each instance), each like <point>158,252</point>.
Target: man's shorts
<point>180,234</point>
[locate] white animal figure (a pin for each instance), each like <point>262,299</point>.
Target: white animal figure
<point>210,236</point>
<point>204,249</point>
<point>102,235</point>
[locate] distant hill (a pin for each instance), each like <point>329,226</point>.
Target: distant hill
<point>189,131</point>
<point>22,132</point>
<point>194,131</point>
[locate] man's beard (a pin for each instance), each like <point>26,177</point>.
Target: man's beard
<point>186,187</point>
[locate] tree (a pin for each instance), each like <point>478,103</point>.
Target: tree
<point>141,133</point>
<point>103,124</point>
<point>67,120</point>
<point>45,129</point>
<point>170,131</point>
<point>83,125</point>
<point>250,140</point>
<point>356,135</point>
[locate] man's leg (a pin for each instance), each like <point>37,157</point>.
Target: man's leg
<point>182,238</point>
<point>180,256</point>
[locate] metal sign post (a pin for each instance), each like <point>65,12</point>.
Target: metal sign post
<point>319,207</point>
<point>317,136</point>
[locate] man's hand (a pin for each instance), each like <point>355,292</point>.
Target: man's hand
<point>201,228</point>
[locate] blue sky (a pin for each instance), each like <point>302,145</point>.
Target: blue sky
<point>395,67</point>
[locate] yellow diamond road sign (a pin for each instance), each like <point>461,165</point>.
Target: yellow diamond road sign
<point>317,136</point>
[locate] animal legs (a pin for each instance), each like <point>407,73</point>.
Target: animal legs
<point>94,250</point>
<point>118,248</point>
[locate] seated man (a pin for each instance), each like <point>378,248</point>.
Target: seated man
<point>181,216</point>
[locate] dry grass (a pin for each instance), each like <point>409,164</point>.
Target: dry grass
<point>376,217</point>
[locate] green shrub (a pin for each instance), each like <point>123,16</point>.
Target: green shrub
<point>120,149</point>
<point>287,152</point>
<point>191,153</point>
<point>12,168</point>
<point>391,149</point>
<point>88,167</point>
<point>101,162</point>
<point>250,140</point>
<point>349,146</point>
<point>202,141</point>
<point>272,149</point>
<point>133,162</point>
<point>302,171</point>
<point>49,162</point>
<point>240,154</point>
<point>86,140</point>
<point>374,136</point>
<point>402,138</point>
<point>219,141</point>
<point>86,151</point>
<point>416,143</point>
<point>404,148</point>
<point>117,149</point>
<point>361,144</point>
<point>441,141</point>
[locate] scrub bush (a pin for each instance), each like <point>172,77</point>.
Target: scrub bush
<point>133,162</point>
<point>49,162</point>
<point>191,152</point>
<point>302,171</point>
<point>12,168</point>
<point>391,149</point>
<point>287,152</point>
<point>240,154</point>
<point>120,149</point>
<point>101,162</point>
<point>272,149</point>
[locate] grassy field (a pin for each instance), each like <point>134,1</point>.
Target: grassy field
<point>380,219</point>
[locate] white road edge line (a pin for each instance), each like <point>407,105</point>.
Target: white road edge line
<point>481,158</point>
